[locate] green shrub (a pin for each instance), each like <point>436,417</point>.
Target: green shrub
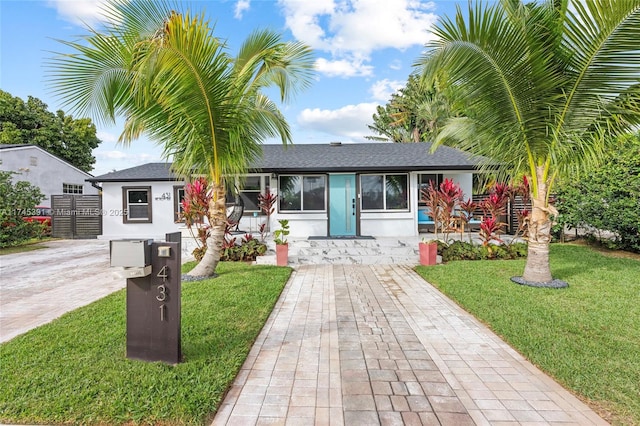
<point>460,250</point>
<point>16,199</point>
<point>608,199</point>
<point>248,250</point>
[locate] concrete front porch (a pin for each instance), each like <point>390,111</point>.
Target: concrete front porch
<point>365,251</point>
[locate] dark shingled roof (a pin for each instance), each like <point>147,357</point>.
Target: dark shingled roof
<point>145,172</point>
<point>334,157</point>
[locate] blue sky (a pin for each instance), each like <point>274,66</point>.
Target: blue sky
<point>364,51</point>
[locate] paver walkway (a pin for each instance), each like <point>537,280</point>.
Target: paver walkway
<point>375,344</point>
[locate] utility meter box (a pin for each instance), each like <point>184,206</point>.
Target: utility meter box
<point>130,253</point>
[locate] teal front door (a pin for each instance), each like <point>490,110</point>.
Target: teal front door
<point>342,205</point>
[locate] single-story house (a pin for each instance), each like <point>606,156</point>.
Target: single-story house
<point>335,190</point>
<point>50,173</point>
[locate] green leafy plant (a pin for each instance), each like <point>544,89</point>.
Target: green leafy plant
<point>607,204</point>
<point>247,250</point>
<point>16,199</point>
<point>460,250</point>
<point>279,235</point>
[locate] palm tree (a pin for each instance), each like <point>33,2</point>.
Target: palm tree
<point>546,86</point>
<point>414,114</point>
<point>174,80</point>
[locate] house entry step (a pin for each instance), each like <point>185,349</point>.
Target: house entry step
<point>341,237</point>
<point>349,251</point>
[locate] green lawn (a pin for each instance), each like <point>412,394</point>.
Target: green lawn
<point>586,336</point>
<point>31,245</point>
<point>74,370</point>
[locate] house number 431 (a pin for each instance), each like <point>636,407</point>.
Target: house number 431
<point>162,291</point>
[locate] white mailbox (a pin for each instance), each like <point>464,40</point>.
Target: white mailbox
<point>132,255</point>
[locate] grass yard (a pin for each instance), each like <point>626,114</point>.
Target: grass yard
<point>586,336</point>
<point>74,370</point>
<point>31,245</point>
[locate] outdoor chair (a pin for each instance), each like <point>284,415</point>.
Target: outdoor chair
<point>234,214</point>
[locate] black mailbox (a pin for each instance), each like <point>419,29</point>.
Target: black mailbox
<point>153,297</point>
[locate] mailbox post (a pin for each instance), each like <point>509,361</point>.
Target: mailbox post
<point>153,276</point>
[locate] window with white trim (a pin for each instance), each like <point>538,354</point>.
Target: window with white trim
<point>136,202</point>
<point>178,196</point>
<point>424,180</point>
<point>384,192</point>
<point>302,193</point>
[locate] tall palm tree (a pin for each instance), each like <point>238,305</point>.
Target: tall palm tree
<point>546,87</point>
<point>174,80</point>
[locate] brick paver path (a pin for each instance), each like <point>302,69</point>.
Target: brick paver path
<point>376,345</point>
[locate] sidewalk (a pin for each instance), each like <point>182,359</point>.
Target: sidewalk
<point>375,344</point>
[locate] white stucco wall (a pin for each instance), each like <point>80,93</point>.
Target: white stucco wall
<point>377,224</point>
<point>113,226</point>
<point>302,225</point>
<point>43,170</point>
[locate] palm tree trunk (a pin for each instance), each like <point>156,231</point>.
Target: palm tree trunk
<point>218,221</point>
<point>537,268</point>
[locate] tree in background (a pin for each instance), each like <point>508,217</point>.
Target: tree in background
<point>30,122</point>
<point>17,200</point>
<point>546,87</point>
<point>607,198</point>
<point>413,114</point>
<point>174,80</point>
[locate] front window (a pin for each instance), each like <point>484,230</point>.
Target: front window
<point>302,193</point>
<point>384,192</point>
<point>178,196</point>
<point>424,181</point>
<point>137,204</point>
<point>252,187</point>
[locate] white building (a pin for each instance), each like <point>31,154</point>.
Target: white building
<point>51,174</point>
<point>330,190</point>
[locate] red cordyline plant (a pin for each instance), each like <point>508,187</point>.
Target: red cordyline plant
<point>494,207</point>
<point>495,204</point>
<point>431,197</point>
<point>266,202</point>
<point>195,207</point>
<point>489,230</point>
<point>450,196</point>
<point>467,207</point>
<point>524,191</point>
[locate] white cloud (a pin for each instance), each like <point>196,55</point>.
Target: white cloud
<point>395,64</point>
<point>382,90</point>
<point>110,155</point>
<point>130,158</point>
<point>349,121</point>
<point>107,137</point>
<point>356,28</point>
<point>241,7</point>
<point>343,68</point>
<point>78,11</point>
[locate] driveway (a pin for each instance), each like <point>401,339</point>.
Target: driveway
<point>37,287</point>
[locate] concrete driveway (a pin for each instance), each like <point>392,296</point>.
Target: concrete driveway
<point>38,286</point>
